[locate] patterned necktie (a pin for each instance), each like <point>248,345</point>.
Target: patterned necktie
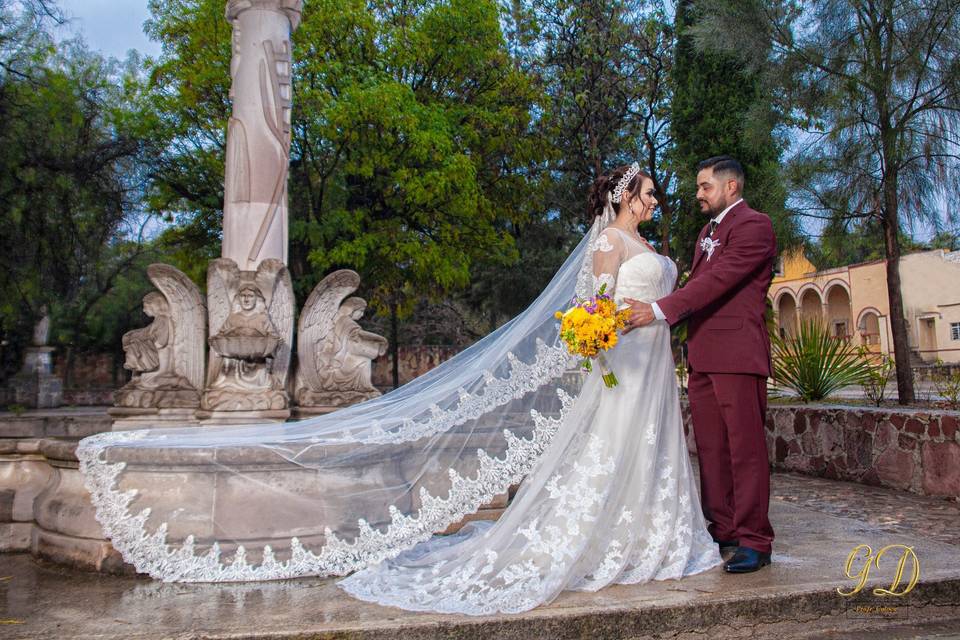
<point>713,225</point>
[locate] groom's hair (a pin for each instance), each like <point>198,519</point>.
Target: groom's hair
<point>729,167</point>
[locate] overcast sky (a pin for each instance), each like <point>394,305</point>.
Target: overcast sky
<point>112,26</point>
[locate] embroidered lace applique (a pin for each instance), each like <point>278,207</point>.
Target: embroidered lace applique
<point>149,552</point>
<point>605,279</point>
<point>602,243</point>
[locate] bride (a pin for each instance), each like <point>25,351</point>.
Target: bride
<point>612,500</point>
<point>607,493</point>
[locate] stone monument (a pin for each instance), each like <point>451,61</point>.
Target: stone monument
<point>334,353</point>
<point>35,386</point>
<point>251,332</point>
<point>166,356</point>
<point>250,304</point>
<point>249,294</point>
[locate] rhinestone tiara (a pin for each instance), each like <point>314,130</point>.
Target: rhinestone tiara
<point>624,181</point>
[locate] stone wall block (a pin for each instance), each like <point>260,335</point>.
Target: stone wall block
<point>941,468</point>
<point>885,436</point>
<point>831,437</point>
<point>895,468</point>
<point>915,426</point>
<point>858,445</point>
<point>906,442</point>
<point>948,426</point>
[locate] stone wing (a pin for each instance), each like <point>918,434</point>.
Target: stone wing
<point>316,322</point>
<point>273,279</point>
<point>189,313</point>
<point>223,278</point>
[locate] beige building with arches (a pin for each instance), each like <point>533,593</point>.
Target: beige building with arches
<point>852,301</point>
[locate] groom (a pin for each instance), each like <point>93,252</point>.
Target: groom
<point>729,352</point>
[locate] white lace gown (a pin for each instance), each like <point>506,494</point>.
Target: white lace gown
<point>612,500</point>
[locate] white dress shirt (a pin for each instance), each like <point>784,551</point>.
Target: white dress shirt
<point>656,308</point>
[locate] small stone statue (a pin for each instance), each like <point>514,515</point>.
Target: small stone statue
<point>41,330</point>
<point>349,352</point>
<point>249,315</point>
<point>335,353</point>
<point>251,322</point>
<point>36,385</point>
<point>166,356</point>
<point>148,348</point>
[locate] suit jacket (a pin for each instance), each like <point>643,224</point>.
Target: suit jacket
<point>725,297</point>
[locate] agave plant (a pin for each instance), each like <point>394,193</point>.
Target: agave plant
<point>814,364</point>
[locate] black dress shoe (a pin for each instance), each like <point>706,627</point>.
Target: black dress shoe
<point>726,545</point>
<point>746,560</point>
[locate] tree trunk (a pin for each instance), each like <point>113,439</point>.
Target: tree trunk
<point>898,323</point>
<point>68,369</point>
<point>666,217</point>
<point>394,346</point>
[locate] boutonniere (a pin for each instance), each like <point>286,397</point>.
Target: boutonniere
<point>708,244</point>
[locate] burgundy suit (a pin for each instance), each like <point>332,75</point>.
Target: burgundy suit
<point>729,356</point>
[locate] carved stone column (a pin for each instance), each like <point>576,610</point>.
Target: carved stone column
<point>258,134</point>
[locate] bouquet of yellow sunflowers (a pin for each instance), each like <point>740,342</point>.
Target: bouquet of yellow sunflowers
<point>590,327</point>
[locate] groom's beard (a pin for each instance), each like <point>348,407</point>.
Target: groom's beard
<point>714,211</point>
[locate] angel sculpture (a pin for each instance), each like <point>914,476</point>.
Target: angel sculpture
<point>251,327</point>
<point>334,353</point>
<point>166,356</point>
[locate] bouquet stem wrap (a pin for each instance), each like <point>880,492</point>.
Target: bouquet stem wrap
<point>609,378</point>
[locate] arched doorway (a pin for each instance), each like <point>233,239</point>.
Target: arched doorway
<point>838,312</point>
<point>869,329</point>
<point>811,305</point>
<point>787,315</point>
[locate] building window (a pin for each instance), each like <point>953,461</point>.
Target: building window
<point>955,330</point>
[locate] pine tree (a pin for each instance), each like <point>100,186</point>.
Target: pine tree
<point>718,109</point>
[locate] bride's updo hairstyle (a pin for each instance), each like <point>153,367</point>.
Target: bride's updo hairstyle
<point>597,196</point>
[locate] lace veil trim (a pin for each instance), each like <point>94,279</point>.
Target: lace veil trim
<point>150,553</point>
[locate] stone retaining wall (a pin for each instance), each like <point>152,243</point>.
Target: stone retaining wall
<point>907,449</point>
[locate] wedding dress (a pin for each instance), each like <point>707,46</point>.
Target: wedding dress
<point>607,492</point>
<point>612,500</point>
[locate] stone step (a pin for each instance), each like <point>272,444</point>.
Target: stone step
<point>794,597</point>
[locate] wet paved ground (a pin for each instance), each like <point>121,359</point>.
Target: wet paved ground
<point>817,522</point>
<point>884,510</point>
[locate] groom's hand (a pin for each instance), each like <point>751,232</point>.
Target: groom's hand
<point>641,314</point>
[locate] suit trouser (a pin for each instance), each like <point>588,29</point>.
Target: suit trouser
<point>729,412</point>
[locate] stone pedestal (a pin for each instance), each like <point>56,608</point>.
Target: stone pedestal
<point>36,386</point>
<point>242,417</point>
<point>125,418</point>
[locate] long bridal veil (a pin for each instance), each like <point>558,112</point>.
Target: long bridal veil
<point>335,493</point>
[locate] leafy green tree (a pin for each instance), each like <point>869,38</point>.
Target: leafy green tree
<point>602,72</point>
<point>874,88</point>
<point>181,119</point>
<point>411,139</point>
<point>593,67</point>
<point>70,180</point>
<point>720,107</point>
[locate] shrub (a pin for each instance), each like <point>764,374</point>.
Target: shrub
<point>878,376</point>
<point>946,380</point>
<point>815,364</point>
